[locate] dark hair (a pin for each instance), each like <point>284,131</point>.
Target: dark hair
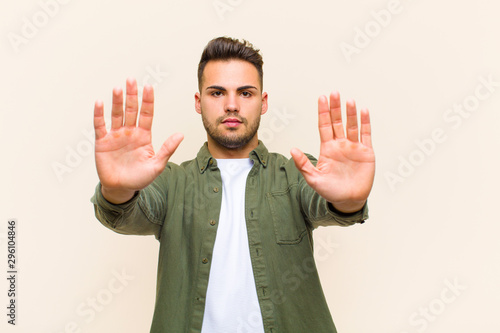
<point>226,48</point>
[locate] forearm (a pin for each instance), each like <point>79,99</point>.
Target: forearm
<point>143,214</point>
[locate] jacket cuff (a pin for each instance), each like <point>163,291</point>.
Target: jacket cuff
<point>110,208</point>
<point>348,218</point>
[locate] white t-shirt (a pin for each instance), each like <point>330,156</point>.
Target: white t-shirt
<point>231,303</point>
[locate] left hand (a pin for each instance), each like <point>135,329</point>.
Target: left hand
<point>346,165</point>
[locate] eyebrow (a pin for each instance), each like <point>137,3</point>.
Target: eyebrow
<point>238,89</point>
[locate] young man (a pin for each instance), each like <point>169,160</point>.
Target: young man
<point>235,223</point>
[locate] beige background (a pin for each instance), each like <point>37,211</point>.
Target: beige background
<point>432,239</point>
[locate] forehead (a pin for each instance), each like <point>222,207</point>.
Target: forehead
<point>230,74</point>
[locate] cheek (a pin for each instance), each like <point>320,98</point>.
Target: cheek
<point>211,116</point>
<point>212,105</point>
<point>255,110</point>
<point>207,109</point>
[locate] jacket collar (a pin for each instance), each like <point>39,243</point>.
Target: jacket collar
<point>205,160</point>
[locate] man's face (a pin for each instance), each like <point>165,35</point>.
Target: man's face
<point>231,102</point>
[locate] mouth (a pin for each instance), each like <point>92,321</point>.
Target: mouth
<point>232,122</point>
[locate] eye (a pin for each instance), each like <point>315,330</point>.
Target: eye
<point>246,94</point>
<point>216,93</point>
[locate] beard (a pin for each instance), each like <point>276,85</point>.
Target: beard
<point>231,140</point>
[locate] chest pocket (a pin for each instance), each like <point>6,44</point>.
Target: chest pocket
<point>289,226</point>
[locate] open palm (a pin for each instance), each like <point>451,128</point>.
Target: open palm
<point>345,169</point>
<point>125,158</point>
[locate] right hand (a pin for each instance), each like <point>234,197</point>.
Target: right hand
<point>125,158</point>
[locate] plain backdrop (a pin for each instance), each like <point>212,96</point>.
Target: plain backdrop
<point>427,260</point>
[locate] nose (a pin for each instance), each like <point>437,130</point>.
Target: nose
<point>232,104</point>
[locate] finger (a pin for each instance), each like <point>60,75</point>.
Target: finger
<point>117,109</point>
<point>147,108</point>
<point>99,124</point>
<point>352,121</point>
<point>336,115</point>
<point>366,130</point>
<point>303,164</point>
<point>324,120</point>
<point>131,103</point>
<point>168,148</point>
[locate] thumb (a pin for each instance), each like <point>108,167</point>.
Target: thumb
<point>303,164</point>
<point>168,148</point>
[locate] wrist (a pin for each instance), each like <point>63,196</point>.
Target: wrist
<point>348,207</point>
<point>117,196</point>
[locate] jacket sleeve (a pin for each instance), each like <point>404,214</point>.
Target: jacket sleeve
<point>144,214</point>
<point>319,212</point>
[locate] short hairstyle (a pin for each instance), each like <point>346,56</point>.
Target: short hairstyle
<point>226,48</point>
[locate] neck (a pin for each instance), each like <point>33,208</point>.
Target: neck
<point>219,151</point>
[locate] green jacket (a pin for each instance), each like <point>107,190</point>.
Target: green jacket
<point>181,208</point>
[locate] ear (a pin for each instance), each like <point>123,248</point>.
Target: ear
<point>197,102</point>
<point>264,103</point>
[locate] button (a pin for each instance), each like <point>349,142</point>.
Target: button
<point>205,260</point>
<point>216,189</point>
<point>202,168</point>
<point>211,162</point>
<point>212,222</point>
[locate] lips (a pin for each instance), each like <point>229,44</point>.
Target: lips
<point>232,122</point>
